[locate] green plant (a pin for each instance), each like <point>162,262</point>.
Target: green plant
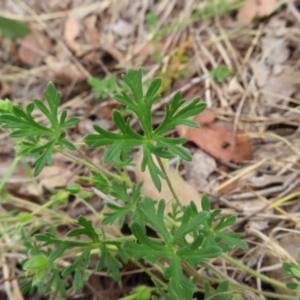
<point>186,238</point>
<point>293,271</point>
<point>23,125</point>
<point>12,29</point>
<point>151,141</point>
<point>220,73</point>
<point>106,87</point>
<point>103,88</point>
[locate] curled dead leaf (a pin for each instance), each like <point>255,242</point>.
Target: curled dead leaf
<point>55,176</point>
<point>91,33</point>
<point>255,8</point>
<point>5,90</point>
<point>72,31</point>
<point>33,48</point>
<point>64,71</point>
<point>218,138</point>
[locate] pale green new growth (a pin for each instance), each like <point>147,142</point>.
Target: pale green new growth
<point>185,239</point>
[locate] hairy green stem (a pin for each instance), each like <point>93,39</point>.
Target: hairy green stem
<point>90,164</point>
<point>9,171</point>
<point>168,181</point>
<point>192,272</point>
<point>200,278</point>
<point>252,272</point>
<point>32,205</point>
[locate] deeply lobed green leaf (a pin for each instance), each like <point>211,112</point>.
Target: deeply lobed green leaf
<point>22,124</point>
<point>151,140</point>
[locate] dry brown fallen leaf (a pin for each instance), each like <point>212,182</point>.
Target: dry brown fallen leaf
<point>255,8</point>
<point>184,190</point>
<point>63,70</point>
<point>54,176</point>
<point>72,31</point>
<point>51,177</point>
<point>92,36</point>
<point>5,89</point>
<point>229,188</point>
<point>33,48</point>
<point>218,139</point>
<point>91,33</point>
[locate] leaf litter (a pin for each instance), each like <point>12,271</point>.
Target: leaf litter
<point>71,32</point>
<point>34,48</point>
<point>275,73</point>
<point>199,170</point>
<point>103,41</point>
<point>218,138</point>
<point>255,8</point>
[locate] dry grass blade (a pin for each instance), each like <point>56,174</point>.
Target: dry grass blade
<point>240,57</point>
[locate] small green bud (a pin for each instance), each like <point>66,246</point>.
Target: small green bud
<point>6,105</point>
<point>165,161</point>
<point>60,196</point>
<point>296,272</point>
<point>39,262</point>
<point>73,188</point>
<point>38,266</point>
<point>24,217</point>
<point>85,195</point>
<point>143,293</point>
